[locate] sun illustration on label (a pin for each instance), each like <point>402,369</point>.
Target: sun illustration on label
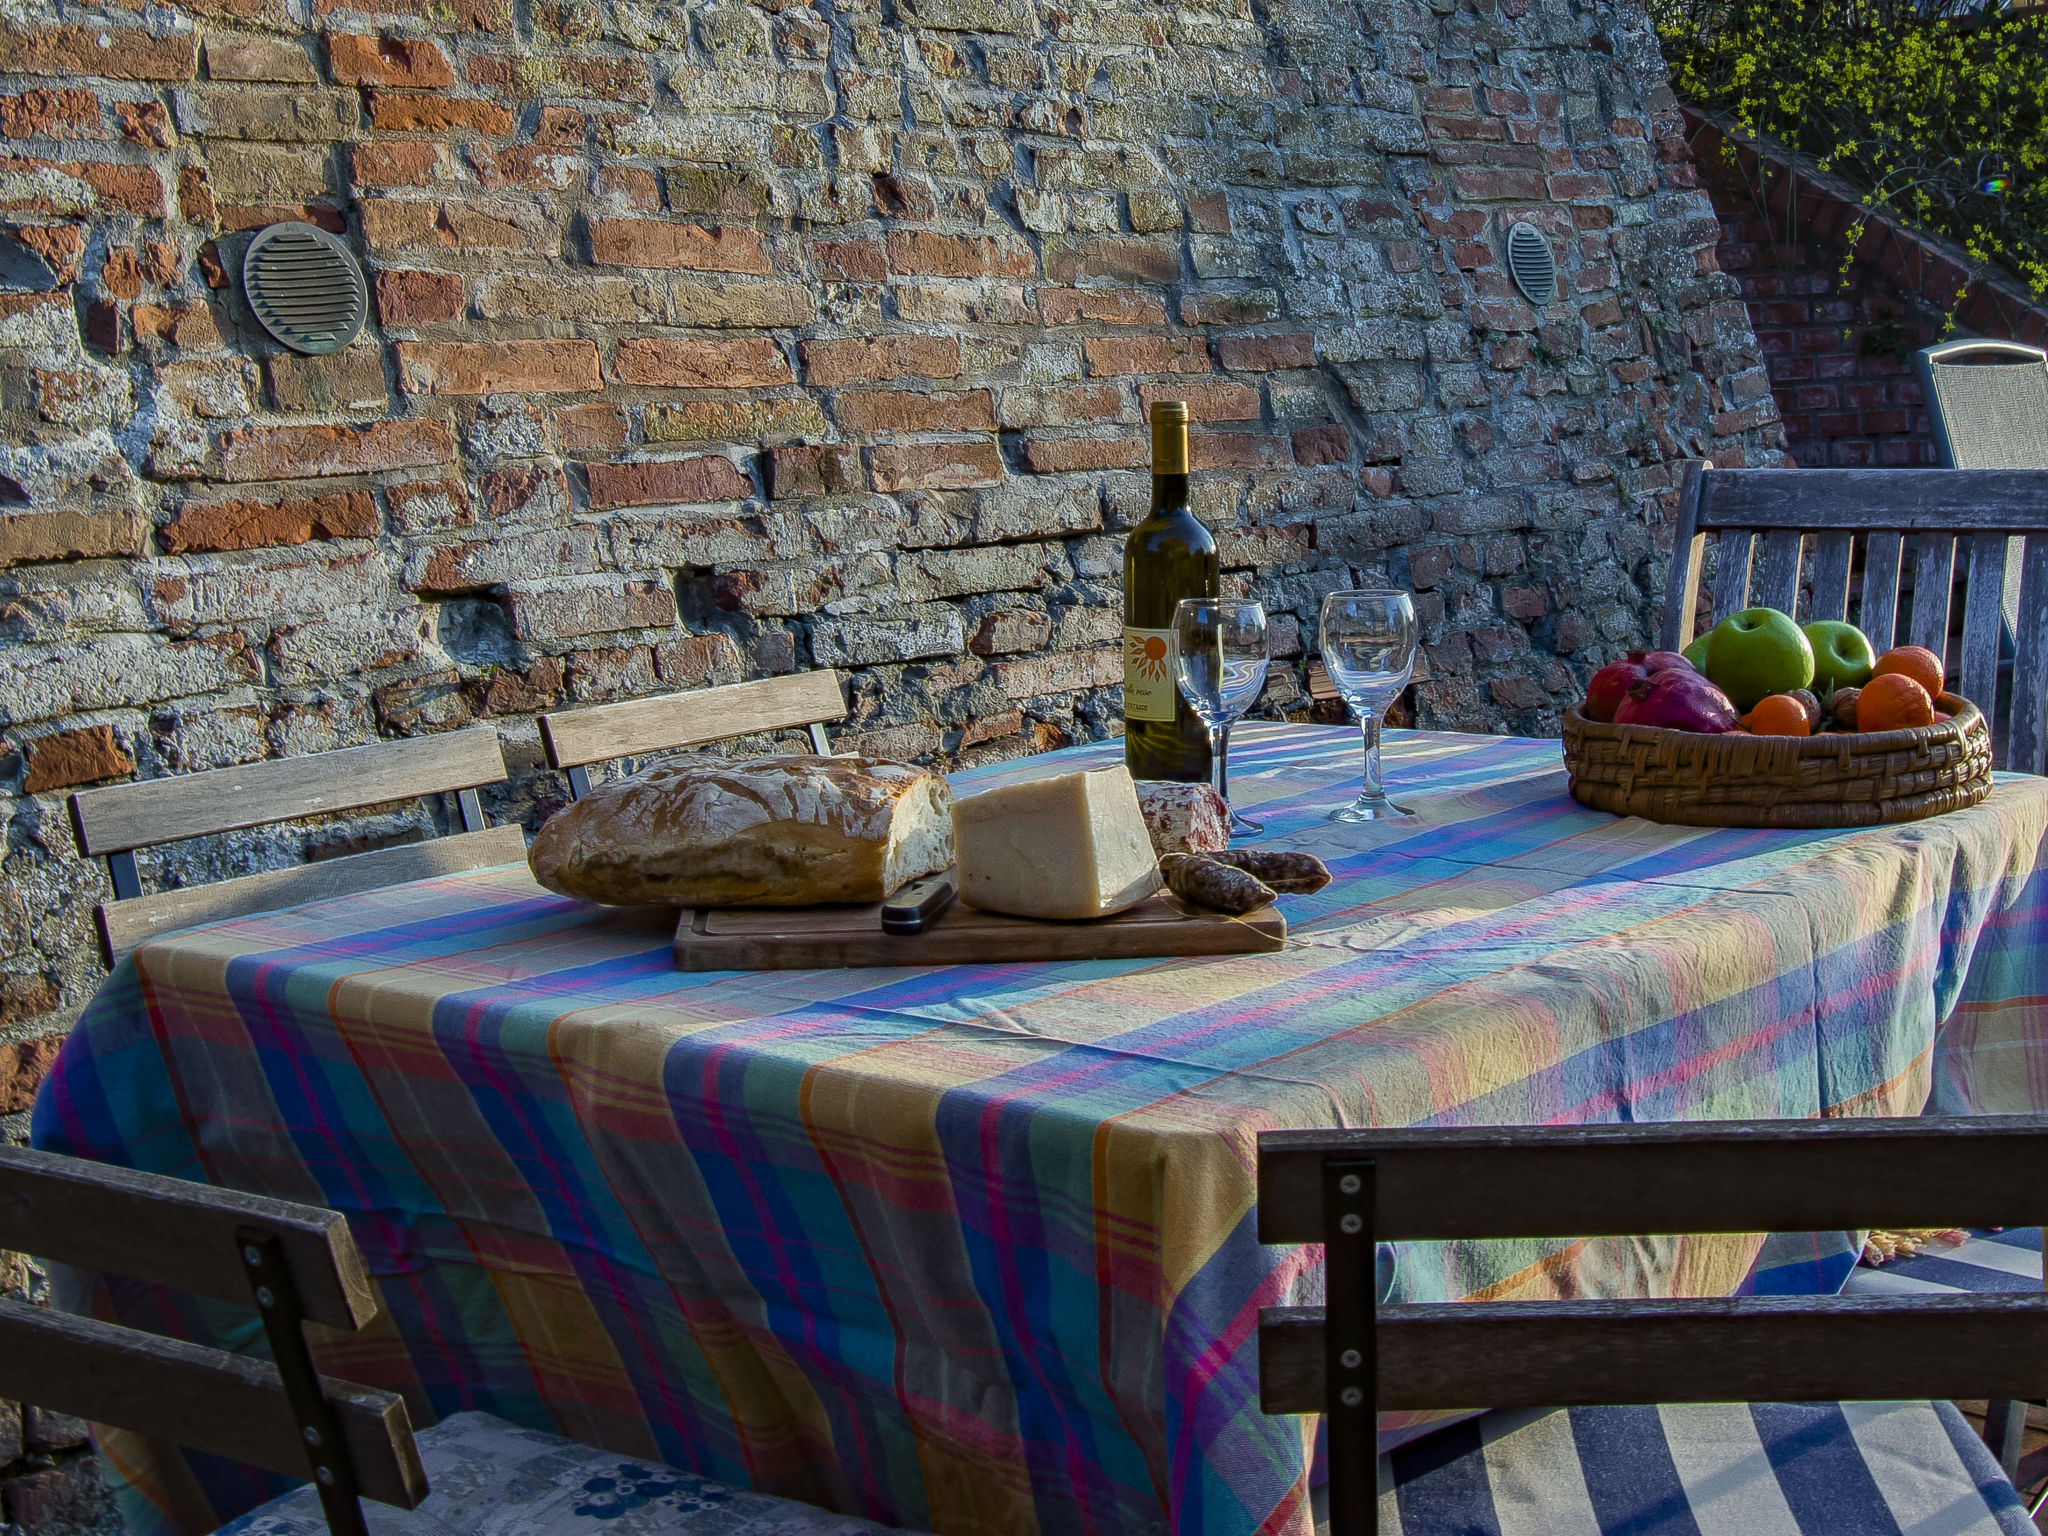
<point>1147,655</point>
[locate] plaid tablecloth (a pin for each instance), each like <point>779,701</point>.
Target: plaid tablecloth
<point>971,1250</point>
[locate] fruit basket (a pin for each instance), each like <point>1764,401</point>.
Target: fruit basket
<point>1838,779</point>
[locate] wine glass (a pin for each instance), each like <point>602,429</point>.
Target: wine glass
<point>1369,648</point>
<point>1220,658</point>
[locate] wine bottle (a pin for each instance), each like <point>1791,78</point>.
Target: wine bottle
<point>1169,556</point>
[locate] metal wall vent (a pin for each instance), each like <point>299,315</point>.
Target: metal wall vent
<point>305,288</point>
<point>1532,265</point>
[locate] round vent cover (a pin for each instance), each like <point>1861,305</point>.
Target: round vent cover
<point>305,288</point>
<point>1531,264</point>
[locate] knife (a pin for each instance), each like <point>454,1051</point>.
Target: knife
<point>919,905</point>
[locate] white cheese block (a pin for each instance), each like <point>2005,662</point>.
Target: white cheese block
<point>1072,846</point>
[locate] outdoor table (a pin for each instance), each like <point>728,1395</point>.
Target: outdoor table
<point>972,1250</point>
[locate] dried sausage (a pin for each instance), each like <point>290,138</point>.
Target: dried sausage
<point>1292,874</point>
<point>1223,887</point>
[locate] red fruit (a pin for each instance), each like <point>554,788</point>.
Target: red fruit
<point>1611,684</point>
<point>1665,661</point>
<point>1678,701</point>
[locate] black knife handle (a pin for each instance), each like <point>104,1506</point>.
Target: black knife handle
<point>918,905</point>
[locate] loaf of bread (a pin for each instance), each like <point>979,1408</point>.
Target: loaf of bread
<point>783,831</point>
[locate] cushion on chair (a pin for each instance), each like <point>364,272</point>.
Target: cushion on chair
<point>1986,1262</point>
<point>492,1478</point>
<point>1703,1469</point>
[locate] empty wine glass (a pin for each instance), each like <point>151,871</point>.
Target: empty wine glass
<point>1220,658</point>
<point>1369,648</point>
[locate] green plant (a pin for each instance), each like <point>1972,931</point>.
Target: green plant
<point>1939,111</point>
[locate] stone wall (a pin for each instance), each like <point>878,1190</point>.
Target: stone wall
<point>712,340</point>
<point>1841,299</point>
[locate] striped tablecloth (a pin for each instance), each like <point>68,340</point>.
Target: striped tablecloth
<point>971,1250</point>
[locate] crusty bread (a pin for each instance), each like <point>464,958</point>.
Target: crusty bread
<point>783,831</point>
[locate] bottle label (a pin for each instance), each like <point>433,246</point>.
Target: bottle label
<point>1150,691</point>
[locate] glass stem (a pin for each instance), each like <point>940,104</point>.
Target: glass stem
<point>1219,755</point>
<point>1369,728</point>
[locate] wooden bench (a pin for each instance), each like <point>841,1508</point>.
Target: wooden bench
<point>1924,521</point>
<point>1350,1190</point>
<point>113,822</point>
<point>576,738</point>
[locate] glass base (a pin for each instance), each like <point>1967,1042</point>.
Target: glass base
<point>1370,808</point>
<point>1244,826</point>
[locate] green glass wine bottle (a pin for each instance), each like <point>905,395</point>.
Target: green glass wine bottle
<point>1169,556</point>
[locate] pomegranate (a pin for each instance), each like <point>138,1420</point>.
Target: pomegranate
<point>1611,684</point>
<point>1665,661</point>
<point>1678,701</point>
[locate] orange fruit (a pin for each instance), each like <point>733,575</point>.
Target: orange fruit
<point>1893,702</point>
<point>1914,661</point>
<point>1779,715</point>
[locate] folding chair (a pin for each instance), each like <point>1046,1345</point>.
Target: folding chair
<point>112,823</point>
<point>1856,1460</point>
<point>297,1264</point>
<point>1805,524</point>
<point>576,738</point>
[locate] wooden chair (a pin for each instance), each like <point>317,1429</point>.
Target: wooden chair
<point>1350,1190</point>
<point>113,822</point>
<point>298,1264</point>
<point>576,738</point>
<point>1924,521</point>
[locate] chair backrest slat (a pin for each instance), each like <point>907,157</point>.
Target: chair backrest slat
<point>1878,612</point>
<point>1780,587</point>
<point>126,816</point>
<point>1860,499</point>
<point>1983,618</point>
<point>1541,1354</point>
<point>1934,566</point>
<point>230,1405</point>
<point>2029,728</point>
<point>1731,575</point>
<point>578,737</point>
<point>1833,552</point>
<point>175,1232</point>
<point>1626,1180</point>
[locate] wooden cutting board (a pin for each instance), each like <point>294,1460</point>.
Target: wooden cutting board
<point>818,938</point>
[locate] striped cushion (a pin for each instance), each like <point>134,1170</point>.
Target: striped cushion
<point>1987,1261</point>
<point>1758,1469</point>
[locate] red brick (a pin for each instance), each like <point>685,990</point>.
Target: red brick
<point>935,466</point>
<point>60,245</point>
<point>127,53</point>
<point>1129,258</point>
<point>50,115</point>
<point>1206,402</point>
<point>408,163</point>
<point>84,756</point>
<point>1327,444</point>
<point>566,612</point>
<point>213,525</point>
<point>852,261</point>
<point>1066,455</point>
<point>1262,354</point>
<point>146,123</point>
<point>1236,450</point>
<point>407,61</point>
<point>1105,306</point>
<point>436,114</point>
<point>293,453</point>
<point>630,184</point>
<point>900,410</point>
<point>23,1064</point>
<point>707,478</point>
<point>1062,406</point>
<point>687,247</point>
<point>418,298</point>
<point>1501,186</point>
<point>876,359</point>
<point>590,428</point>
<point>1113,356</point>
<point>1060,672</point>
<point>817,469</point>
<point>498,367</point>
<point>921,253</point>
<point>690,363</point>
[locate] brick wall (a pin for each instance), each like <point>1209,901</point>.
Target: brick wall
<point>1839,328</point>
<point>714,340</point>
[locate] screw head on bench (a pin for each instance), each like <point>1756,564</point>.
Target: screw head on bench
<point>251,1257</point>
<point>1351,1397</point>
<point>1351,1224</point>
<point>1349,1359</point>
<point>1349,1184</point>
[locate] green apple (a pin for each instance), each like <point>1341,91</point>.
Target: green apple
<point>1696,653</point>
<point>1842,655</point>
<point>1756,653</point>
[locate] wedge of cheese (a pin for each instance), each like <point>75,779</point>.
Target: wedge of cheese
<point>1072,846</point>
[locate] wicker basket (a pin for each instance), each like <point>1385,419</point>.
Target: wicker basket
<point>1738,780</point>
